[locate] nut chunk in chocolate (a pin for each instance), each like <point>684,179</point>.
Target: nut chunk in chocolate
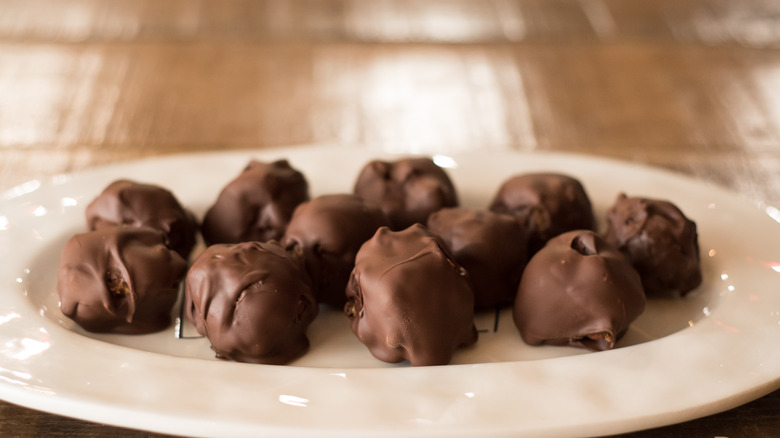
<point>257,205</point>
<point>328,232</point>
<point>407,190</point>
<point>548,204</point>
<point>580,291</point>
<point>126,202</point>
<point>252,300</point>
<point>409,300</point>
<point>119,280</point>
<point>660,242</point>
<point>492,248</point>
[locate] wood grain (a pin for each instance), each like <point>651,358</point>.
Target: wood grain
<point>687,108</point>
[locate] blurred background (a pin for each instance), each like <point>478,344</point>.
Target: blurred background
<point>86,82</point>
<point>688,85</point>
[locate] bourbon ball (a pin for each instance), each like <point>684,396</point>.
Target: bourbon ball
<point>659,240</point>
<point>547,204</point>
<point>407,190</point>
<point>579,291</point>
<point>490,246</point>
<point>407,298</point>
<point>125,202</point>
<point>119,279</point>
<point>252,300</point>
<point>328,232</point>
<point>257,205</point>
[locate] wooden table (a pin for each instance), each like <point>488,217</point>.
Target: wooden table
<point>692,86</point>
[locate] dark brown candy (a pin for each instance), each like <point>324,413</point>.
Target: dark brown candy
<point>407,190</point>
<point>328,232</point>
<point>119,280</point>
<point>252,300</point>
<point>660,242</point>
<point>492,248</point>
<point>547,204</point>
<point>409,300</point>
<point>578,290</point>
<point>126,202</point>
<point>257,205</point>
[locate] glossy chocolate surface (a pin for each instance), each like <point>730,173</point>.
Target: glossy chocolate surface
<point>409,300</point>
<point>328,232</point>
<point>119,279</point>
<point>578,290</point>
<point>492,248</point>
<point>659,240</point>
<point>407,190</point>
<point>548,204</point>
<point>252,300</point>
<point>144,205</point>
<point>257,205</point>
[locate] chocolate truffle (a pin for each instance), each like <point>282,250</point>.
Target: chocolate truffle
<point>257,205</point>
<point>578,290</point>
<point>119,280</point>
<point>547,204</point>
<point>252,300</point>
<point>144,205</point>
<point>409,300</point>
<point>492,248</point>
<point>407,190</point>
<point>328,232</point>
<point>660,242</point>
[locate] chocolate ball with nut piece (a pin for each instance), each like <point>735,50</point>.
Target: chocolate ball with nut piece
<point>579,291</point>
<point>659,240</point>
<point>119,279</point>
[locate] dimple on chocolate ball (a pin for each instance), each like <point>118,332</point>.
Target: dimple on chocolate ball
<point>125,202</point>
<point>252,300</point>
<point>659,240</point>
<point>119,279</point>
<point>328,232</point>
<point>407,299</point>
<point>548,204</point>
<point>579,291</point>
<point>407,190</point>
<point>490,246</point>
<point>257,205</point>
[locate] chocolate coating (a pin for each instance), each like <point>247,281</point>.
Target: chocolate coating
<point>548,204</point>
<point>144,205</point>
<point>659,240</point>
<point>578,290</point>
<point>119,280</point>
<point>257,205</point>
<point>492,248</point>
<point>252,300</point>
<point>328,232</point>
<point>409,300</point>
<point>407,190</point>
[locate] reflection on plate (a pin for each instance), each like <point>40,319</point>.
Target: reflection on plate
<point>682,359</point>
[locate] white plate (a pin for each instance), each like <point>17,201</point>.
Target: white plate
<point>682,359</point>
